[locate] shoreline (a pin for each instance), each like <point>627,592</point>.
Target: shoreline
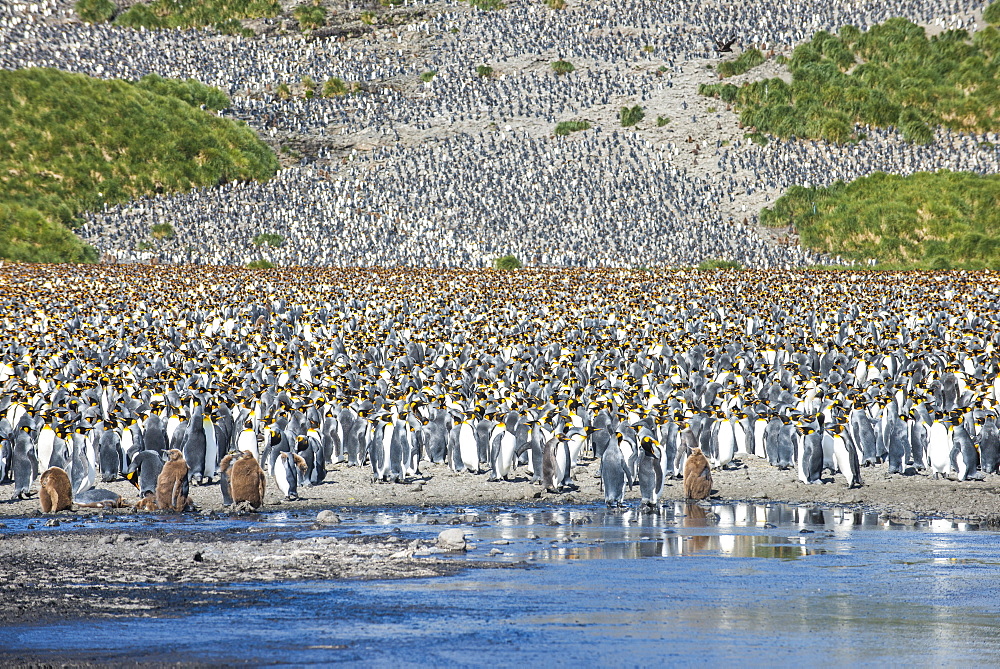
<point>751,480</point>
<point>108,564</point>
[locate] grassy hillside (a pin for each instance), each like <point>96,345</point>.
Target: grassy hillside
<point>74,143</point>
<point>223,15</point>
<point>923,221</point>
<point>892,75</point>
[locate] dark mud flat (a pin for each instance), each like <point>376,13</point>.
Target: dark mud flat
<point>112,566</point>
<point>723,583</point>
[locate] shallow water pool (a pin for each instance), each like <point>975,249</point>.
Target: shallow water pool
<point>730,583</point>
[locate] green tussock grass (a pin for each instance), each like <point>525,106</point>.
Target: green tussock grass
<point>73,143</point>
<point>223,15</point>
<point>507,262</point>
<point>927,220</point>
<point>719,264</point>
<point>892,75</point>
<point>310,17</point>
<point>562,66</point>
<point>488,5</point>
<point>747,61</point>
<point>95,11</point>
<point>630,116</point>
<point>566,127</point>
<point>269,238</point>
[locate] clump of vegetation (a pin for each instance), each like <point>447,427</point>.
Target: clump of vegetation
<point>562,66</point>
<point>162,231</point>
<point>428,76</point>
<point>716,263</point>
<point>662,121</point>
<point>190,91</point>
<point>892,75</point>
<point>73,143</point>
<point>223,15</point>
<point>566,127</point>
<point>308,86</point>
<point>630,116</point>
<point>507,262</point>
<point>283,91</point>
<point>556,4</point>
<point>992,14</point>
<point>95,11</point>
<point>910,221</point>
<point>261,264</point>
<point>747,60</point>
<point>310,17</point>
<point>488,5</point>
<point>369,18</point>
<point>757,138</point>
<point>335,87</point>
<point>269,238</point>
<point>484,71</point>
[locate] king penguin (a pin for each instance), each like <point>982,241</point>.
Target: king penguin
<point>650,474</point>
<point>614,473</point>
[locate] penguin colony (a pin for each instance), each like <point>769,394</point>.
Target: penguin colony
<point>463,169</point>
<point>204,376</point>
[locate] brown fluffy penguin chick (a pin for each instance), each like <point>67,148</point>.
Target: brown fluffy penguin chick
<point>247,481</point>
<point>146,503</point>
<point>172,484</point>
<point>697,476</point>
<point>54,490</point>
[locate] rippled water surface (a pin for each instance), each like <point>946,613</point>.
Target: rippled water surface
<point>729,583</point>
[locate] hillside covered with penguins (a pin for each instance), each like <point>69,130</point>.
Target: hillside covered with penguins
<point>424,134</point>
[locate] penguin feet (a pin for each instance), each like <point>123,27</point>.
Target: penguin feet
<point>291,498</point>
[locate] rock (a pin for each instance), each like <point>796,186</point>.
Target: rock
<point>53,523</point>
<point>452,540</point>
<point>327,517</point>
<point>500,542</point>
<point>417,487</point>
<point>903,516</point>
<point>122,538</point>
<point>495,551</point>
